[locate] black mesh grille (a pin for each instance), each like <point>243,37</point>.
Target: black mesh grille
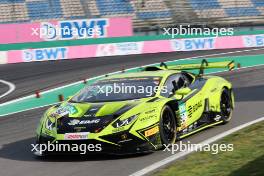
<point>84,124</point>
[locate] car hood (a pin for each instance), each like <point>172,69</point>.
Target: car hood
<point>78,110</point>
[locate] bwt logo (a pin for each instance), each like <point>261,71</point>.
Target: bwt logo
<point>45,54</point>
<point>194,44</point>
<point>77,29</point>
<point>254,41</point>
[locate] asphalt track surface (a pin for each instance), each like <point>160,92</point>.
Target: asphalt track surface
<point>17,131</point>
<point>29,77</point>
<point>3,88</point>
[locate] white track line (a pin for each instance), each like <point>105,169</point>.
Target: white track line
<point>174,157</point>
<point>11,86</point>
<point>189,58</point>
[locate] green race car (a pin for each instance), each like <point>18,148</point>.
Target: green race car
<point>142,111</point>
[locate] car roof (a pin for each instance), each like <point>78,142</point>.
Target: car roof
<point>159,73</point>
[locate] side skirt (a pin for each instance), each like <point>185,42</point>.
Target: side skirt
<point>202,127</point>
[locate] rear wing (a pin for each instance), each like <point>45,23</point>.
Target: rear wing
<point>203,65</point>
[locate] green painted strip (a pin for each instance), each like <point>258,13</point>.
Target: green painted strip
<point>52,97</point>
<point>20,46</point>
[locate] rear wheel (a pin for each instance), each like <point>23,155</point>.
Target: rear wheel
<point>226,105</point>
<point>167,126</point>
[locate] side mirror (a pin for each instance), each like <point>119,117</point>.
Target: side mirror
<point>183,91</point>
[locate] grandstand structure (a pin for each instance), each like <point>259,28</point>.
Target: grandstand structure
<point>145,13</point>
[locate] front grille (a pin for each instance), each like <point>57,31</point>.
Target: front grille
<point>83,124</point>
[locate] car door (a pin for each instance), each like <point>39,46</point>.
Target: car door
<point>181,82</point>
<point>191,107</point>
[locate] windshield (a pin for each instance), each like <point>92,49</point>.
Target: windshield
<point>119,90</point>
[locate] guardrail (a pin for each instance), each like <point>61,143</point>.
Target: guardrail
<point>74,49</point>
<point>93,41</point>
<point>129,48</point>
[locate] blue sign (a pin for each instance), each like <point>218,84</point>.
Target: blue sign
<point>193,44</point>
<point>77,29</point>
<point>45,54</point>
<point>254,41</point>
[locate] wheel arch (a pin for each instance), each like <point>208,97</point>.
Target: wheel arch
<point>214,96</point>
<point>174,105</point>
<point>231,94</point>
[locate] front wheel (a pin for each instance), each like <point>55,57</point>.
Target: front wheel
<point>167,126</point>
<point>226,105</point>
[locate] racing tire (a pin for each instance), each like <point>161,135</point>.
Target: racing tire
<point>226,105</point>
<point>167,126</point>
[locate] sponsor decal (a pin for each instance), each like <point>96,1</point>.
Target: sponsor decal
<point>183,124</point>
<point>183,114</point>
<point>116,130</point>
<point>253,41</point>
<point>83,122</point>
<point>89,115</point>
<point>195,124</point>
<point>68,109</point>
<point>151,131</point>
<point>193,44</point>
<point>78,129</point>
<point>150,111</point>
<point>217,118</point>
<point>213,90</point>
<point>74,122</point>
<point>125,48</point>
<point>126,140</point>
<point>148,117</point>
<point>193,108</point>
<point>47,132</point>
<point>76,136</point>
<point>121,123</point>
<point>185,131</point>
<point>182,108</point>
<point>190,128</point>
<point>45,54</point>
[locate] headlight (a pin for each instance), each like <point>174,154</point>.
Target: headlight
<point>49,124</point>
<point>120,123</point>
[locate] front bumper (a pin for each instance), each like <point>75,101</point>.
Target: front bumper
<point>117,143</point>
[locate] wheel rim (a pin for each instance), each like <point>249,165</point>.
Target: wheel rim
<point>168,126</point>
<point>225,106</point>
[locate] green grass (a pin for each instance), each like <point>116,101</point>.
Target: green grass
<point>247,158</point>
